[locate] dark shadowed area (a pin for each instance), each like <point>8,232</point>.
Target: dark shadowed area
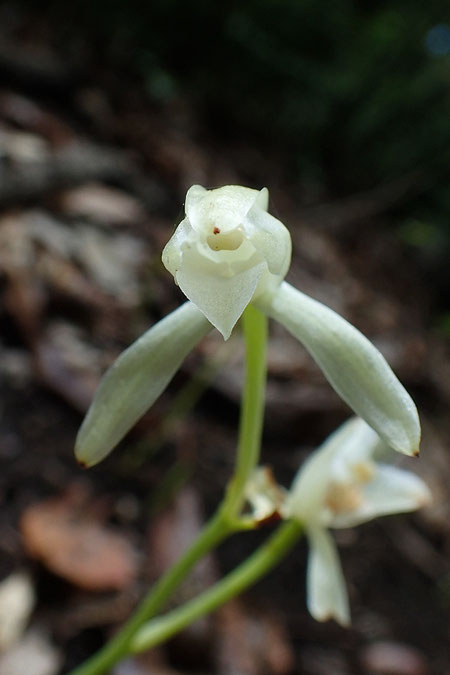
<point>109,112</point>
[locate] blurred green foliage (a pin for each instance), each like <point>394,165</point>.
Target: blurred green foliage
<point>354,94</point>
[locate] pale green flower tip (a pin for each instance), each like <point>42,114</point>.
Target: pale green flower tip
<point>226,251</point>
<point>415,449</point>
<point>83,460</point>
<point>89,449</point>
<point>406,437</point>
<point>104,425</point>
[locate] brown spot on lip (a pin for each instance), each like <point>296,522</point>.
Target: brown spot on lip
<point>216,230</point>
<point>82,464</point>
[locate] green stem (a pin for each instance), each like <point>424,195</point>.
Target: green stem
<point>252,410</point>
<point>258,564</point>
<point>226,520</point>
<point>119,646</point>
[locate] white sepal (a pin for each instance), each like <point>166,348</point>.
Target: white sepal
<point>136,379</point>
<point>352,365</point>
<point>326,594</point>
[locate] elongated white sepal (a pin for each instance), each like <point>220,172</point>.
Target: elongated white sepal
<point>326,594</point>
<point>136,379</point>
<point>352,365</point>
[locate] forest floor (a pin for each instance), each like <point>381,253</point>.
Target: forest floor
<point>92,178</point>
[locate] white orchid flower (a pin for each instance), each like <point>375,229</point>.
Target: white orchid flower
<point>342,485</point>
<point>227,252</point>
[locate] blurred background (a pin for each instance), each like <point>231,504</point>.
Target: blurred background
<point>109,111</point>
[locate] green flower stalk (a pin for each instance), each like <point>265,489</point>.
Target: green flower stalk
<point>342,484</point>
<point>227,253</point>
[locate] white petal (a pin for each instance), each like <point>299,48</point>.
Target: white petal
<point>353,366</point>
<point>171,255</point>
<point>310,485</point>
<point>221,299</point>
<point>193,197</point>
<point>225,207</point>
<point>270,238</point>
<point>136,379</point>
<point>325,585</point>
<point>358,448</point>
<point>392,490</point>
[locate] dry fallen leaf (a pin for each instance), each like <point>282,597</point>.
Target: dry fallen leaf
<point>68,364</point>
<point>323,660</point>
<point>151,663</point>
<point>101,204</point>
<point>393,658</point>
<point>19,146</point>
<point>24,112</point>
<point>250,643</point>
<point>73,545</point>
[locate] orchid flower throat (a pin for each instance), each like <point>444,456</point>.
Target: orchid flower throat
<point>345,494</point>
<point>227,241</point>
<point>224,252</point>
<point>345,488</point>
